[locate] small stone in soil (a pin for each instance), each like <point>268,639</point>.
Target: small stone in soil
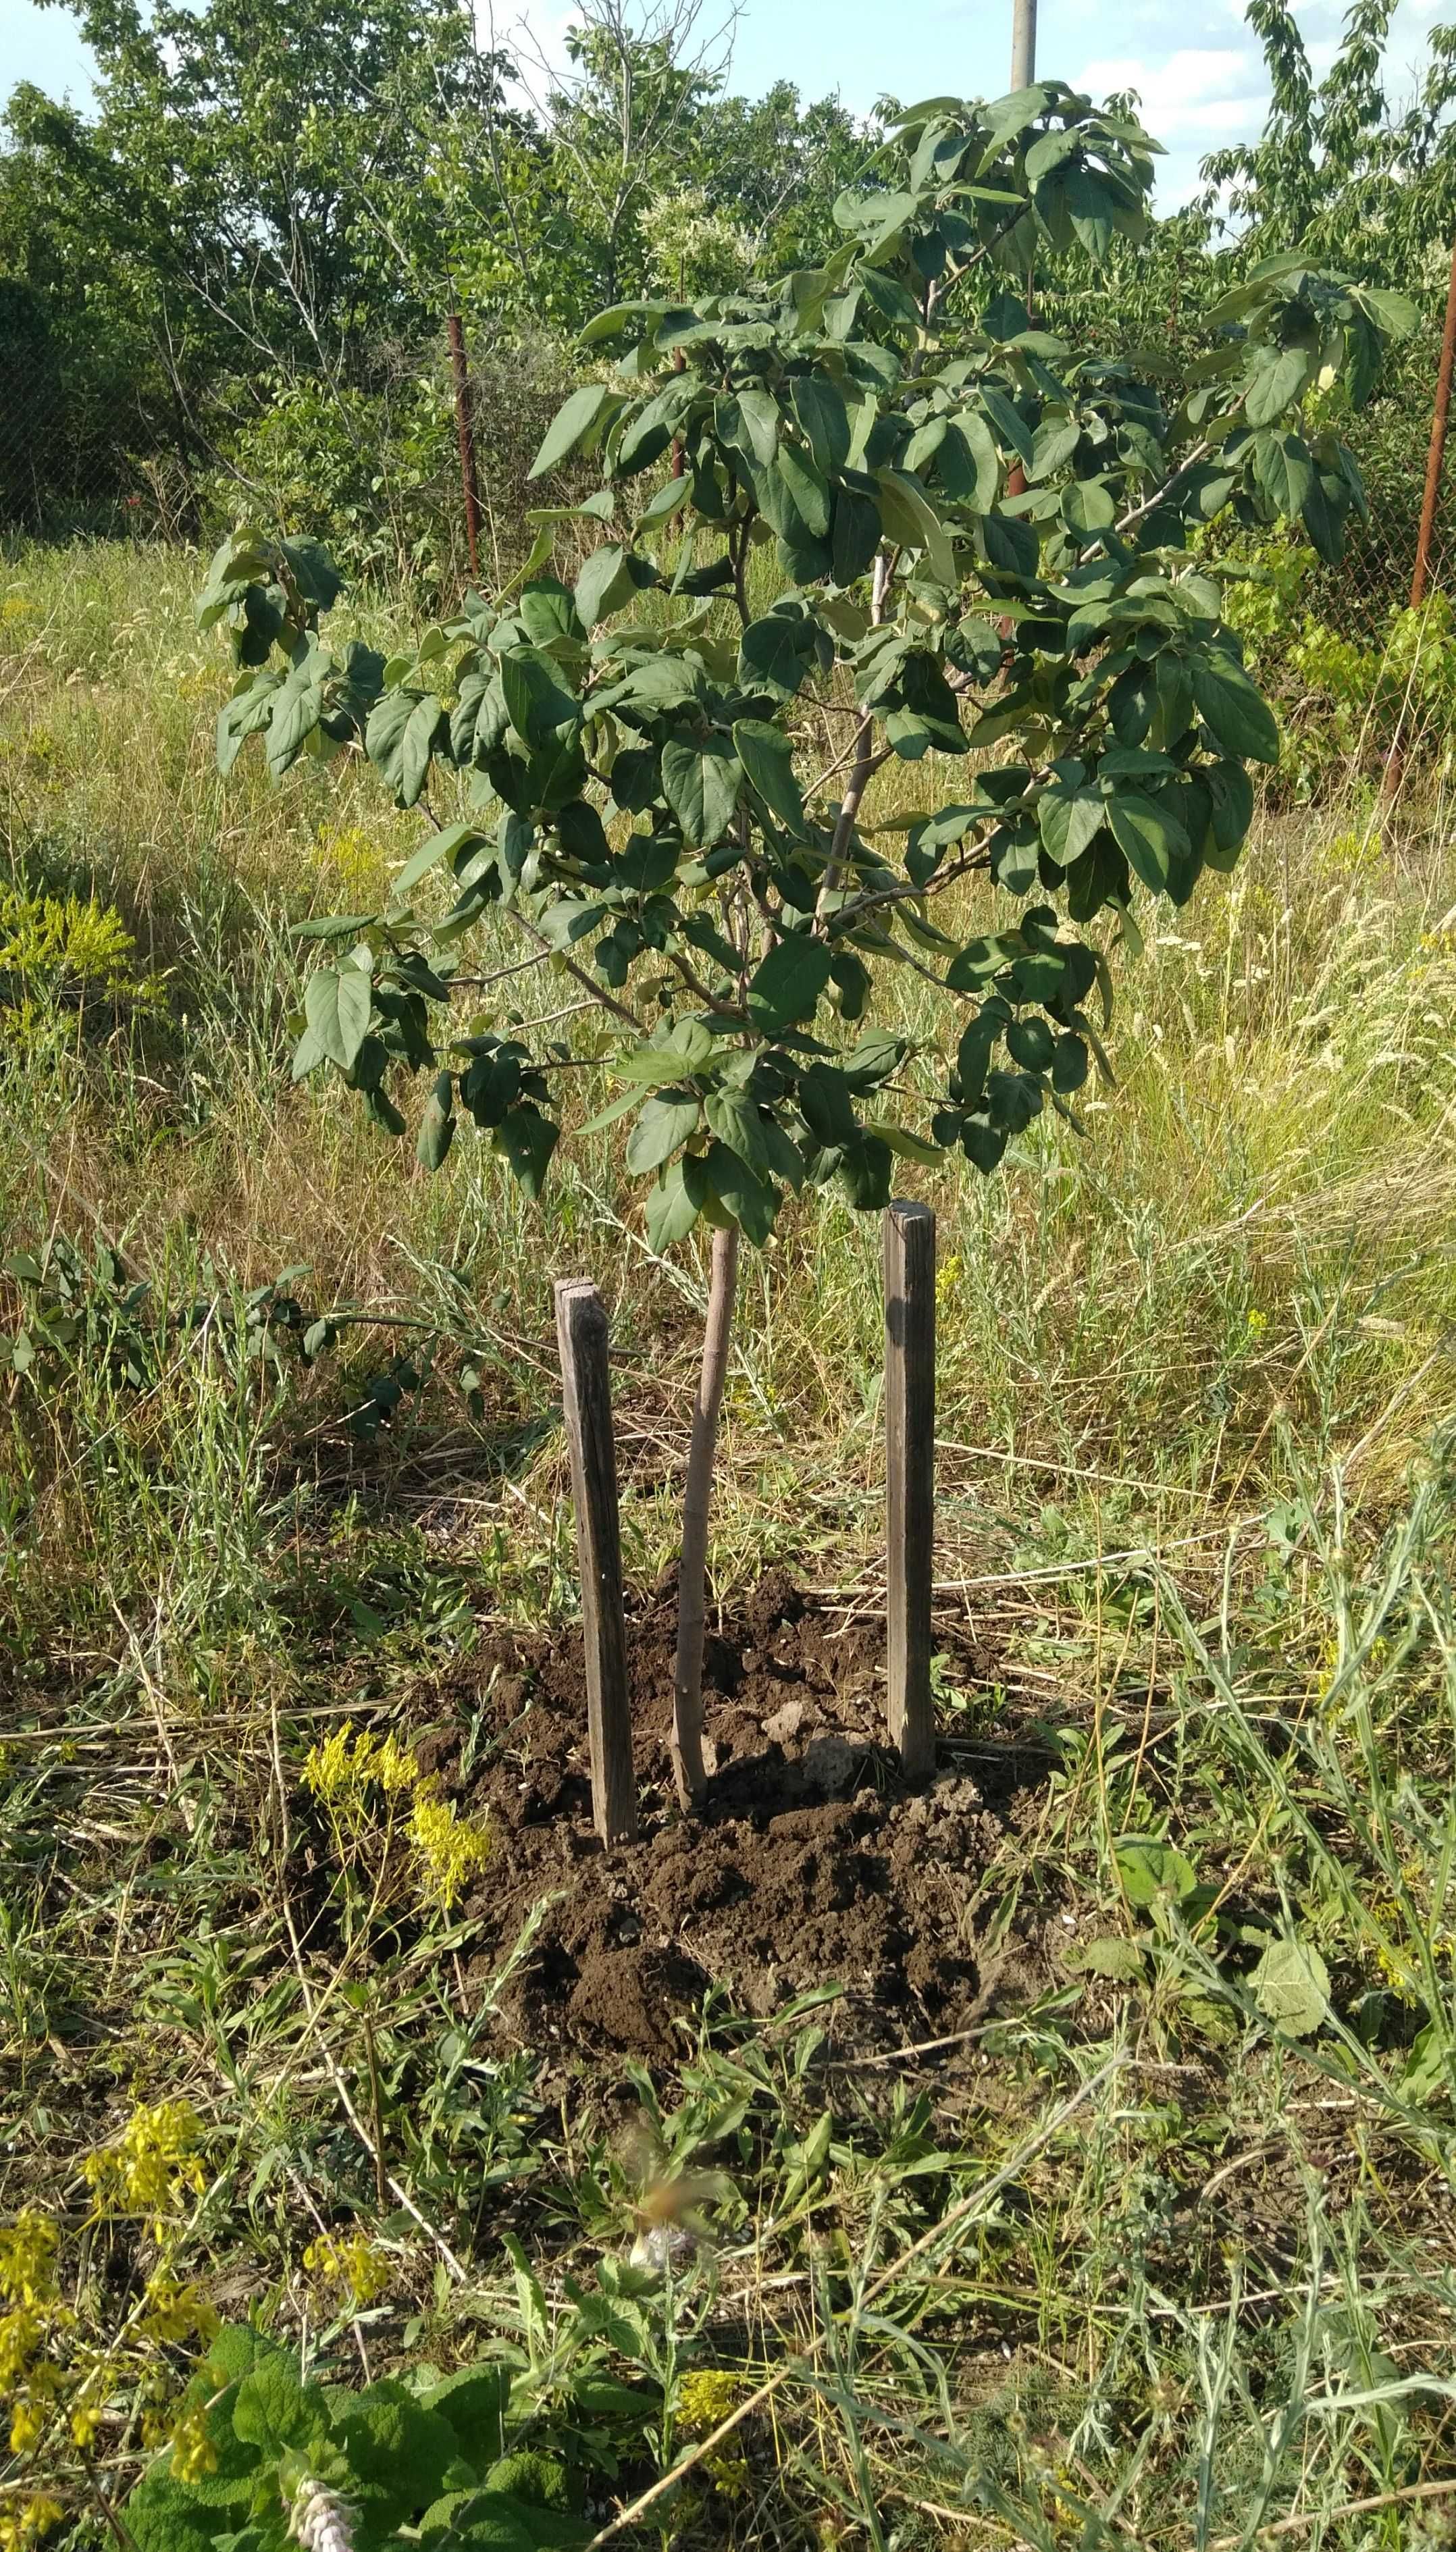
<point>829,1765</point>
<point>786,1724</point>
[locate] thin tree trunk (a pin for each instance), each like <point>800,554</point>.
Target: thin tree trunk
<point>687,1762</point>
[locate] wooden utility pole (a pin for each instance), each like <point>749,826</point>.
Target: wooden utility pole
<point>1437,452</point>
<point>1023,43</point>
<point>581,1334</point>
<point>909,1477</point>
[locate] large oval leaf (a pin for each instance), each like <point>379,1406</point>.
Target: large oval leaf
<point>701,784</point>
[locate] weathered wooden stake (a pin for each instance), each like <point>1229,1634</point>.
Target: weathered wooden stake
<point>581,1333</point>
<point>909,1448</point>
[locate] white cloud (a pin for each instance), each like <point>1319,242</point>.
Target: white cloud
<point>1198,95</point>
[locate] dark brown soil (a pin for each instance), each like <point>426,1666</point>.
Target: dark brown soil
<point>814,1864</point>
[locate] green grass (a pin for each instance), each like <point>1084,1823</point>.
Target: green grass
<point>1138,2263</point>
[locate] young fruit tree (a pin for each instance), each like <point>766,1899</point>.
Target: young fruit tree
<point>871,500</point>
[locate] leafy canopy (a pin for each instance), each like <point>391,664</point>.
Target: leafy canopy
<point>982,544</point>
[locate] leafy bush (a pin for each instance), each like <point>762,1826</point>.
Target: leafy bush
<point>60,956</point>
<point>1346,700</point>
<point>262,2456</point>
<point>374,471</point>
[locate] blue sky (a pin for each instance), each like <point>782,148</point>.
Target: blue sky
<point>1195,65</point>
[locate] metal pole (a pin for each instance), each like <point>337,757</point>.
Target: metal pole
<point>909,1479</point>
<point>1023,43</point>
<point>466,432</point>
<point>1437,452</point>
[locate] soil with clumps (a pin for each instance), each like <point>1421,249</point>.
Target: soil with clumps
<point>814,1862</point>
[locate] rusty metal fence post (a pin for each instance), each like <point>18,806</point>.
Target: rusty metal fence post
<point>464,427</point>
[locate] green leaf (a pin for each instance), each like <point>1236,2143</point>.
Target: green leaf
<point>674,1205</point>
<point>1235,710</point>
<point>274,2410</point>
<point>401,2454</point>
<point>775,655</point>
<point>735,1119</point>
<point>500,2520</point>
<point>701,784</point>
<point>537,705</point>
<point>1291,1987</point>
<point>768,757</point>
<point>439,846</point>
<point>526,1140</point>
<point>605,583</point>
<point>821,411</point>
<point>1010,427</point>
<point>664,1127</point>
<point>436,1125</point>
<point>1068,819</point>
<point>570,424</point>
<point>1110,1956</point>
<point>164,2515</point>
<point>337,1003</point>
<point>865,1172</point>
<point>806,484</point>
<point>828,1108</point>
<point>1087,506</point>
<point>399,737</point>
<point>1280,377</point>
<point>856,535</point>
<point>759,415</point>
<point>968,464</point>
<point>752,1200</point>
<point>787,985</point>
<point>910,517</point>
<point>1284,472</point>
<point>1148,835</point>
<point>1150,1869</point>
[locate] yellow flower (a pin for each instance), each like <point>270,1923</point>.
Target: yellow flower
<point>21,2334</point>
<point>28,2249</point>
<point>729,2474</point>
<point>26,2422</point>
<point>448,1849</point>
<point>351,2261</point>
<point>175,2312</point>
<point>341,1770</point>
<point>22,2526</point>
<point>194,2455</point>
<point>947,1277</point>
<point>85,2420</point>
<point>705,2398</point>
<point>152,2166</point>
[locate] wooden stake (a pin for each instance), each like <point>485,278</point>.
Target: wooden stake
<point>909,1448</point>
<point>582,1333</point>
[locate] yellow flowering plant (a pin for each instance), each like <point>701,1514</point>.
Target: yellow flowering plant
<point>67,2387</point>
<point>355,1774</point>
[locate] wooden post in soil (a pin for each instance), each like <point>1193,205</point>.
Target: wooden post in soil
<point>582,1333</point>
<point>909,1469</point>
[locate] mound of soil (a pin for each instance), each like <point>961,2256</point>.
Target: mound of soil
<point>813,1864</point>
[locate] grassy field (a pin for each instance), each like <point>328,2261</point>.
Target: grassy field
<point>1159,2249</point>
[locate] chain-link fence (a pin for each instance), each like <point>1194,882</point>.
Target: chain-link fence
<point>67,448</point>
<point>1390,440</point>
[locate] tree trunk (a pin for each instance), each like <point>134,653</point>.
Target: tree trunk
<point>687,1762</point>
